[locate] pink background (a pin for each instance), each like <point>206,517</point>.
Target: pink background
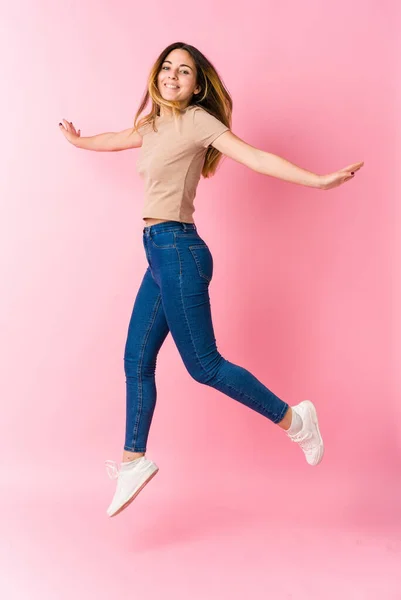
<point>305,294</point>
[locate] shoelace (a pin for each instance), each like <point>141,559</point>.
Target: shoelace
<point>305,440</point>
<point>112,469</point>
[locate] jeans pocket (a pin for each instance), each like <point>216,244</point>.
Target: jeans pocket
<point>204,260</point>
<point>163,239</point>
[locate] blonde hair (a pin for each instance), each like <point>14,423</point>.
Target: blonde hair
<point>213,97</point>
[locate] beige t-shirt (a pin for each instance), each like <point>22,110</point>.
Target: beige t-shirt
<point>170,162</point>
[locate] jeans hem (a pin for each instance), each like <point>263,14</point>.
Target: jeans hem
<point>128,449</point>
<point>283,413</point>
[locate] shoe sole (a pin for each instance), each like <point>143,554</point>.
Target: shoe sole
<point>312,410</point>
<point>134,495</point>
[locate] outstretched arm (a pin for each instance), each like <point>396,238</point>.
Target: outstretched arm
<point>113,141</point>
<point>270,164</point>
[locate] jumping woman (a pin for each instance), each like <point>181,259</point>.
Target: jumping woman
<point>184,136</point>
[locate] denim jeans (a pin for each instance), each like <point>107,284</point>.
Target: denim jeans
<point>174,296</point>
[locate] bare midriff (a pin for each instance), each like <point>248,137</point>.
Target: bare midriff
<point>150,221</point>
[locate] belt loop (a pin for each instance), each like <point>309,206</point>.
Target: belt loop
<point>184,226</point>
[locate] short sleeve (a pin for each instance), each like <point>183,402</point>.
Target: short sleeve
<point>144,129</point>
<point>206,127</point>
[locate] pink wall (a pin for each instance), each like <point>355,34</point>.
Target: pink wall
<point>305,294</point>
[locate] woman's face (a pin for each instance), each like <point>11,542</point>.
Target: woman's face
<point>177,77</point>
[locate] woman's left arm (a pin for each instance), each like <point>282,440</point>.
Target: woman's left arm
<point>270,164</point>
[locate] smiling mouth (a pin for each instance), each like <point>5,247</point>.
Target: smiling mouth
<point>171,88</point>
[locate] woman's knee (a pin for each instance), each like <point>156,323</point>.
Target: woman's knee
<point>206,374</point>
<point>137,367</point>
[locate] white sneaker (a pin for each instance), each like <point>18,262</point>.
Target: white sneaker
<point>131,479</point>
<point>309,437</point>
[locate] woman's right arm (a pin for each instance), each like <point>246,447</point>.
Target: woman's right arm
<point>102,142</point>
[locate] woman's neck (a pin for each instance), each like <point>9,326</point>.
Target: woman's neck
<point>167,112</point>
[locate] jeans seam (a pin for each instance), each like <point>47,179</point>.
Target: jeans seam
<point>161,247</point>
<point>172,229</point>
<point>129,449</point>
<point>140,384</point>
<point>186,318</point>
<point>197,261</point>
<point>272,416</point>
<point>187,235</point>
<point>175,228</point>
<point>178,254</point>
<point>276,418</point>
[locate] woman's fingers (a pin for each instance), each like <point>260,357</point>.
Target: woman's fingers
<point>67,129</point>
<point>355,167</point>
<point>74,130</point>
<point>67,125</point>
<point>63,128</point>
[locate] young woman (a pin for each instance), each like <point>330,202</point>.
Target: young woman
<point>183,137</point>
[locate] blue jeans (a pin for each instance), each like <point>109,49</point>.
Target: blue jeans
<point>174,296</point>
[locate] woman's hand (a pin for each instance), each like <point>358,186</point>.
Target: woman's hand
<point>69,132</point>
<point>339,177</point>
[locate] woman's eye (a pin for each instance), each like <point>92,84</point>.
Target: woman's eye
<point>186,72</point>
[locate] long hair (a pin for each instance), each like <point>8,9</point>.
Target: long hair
<point>213,97</point>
